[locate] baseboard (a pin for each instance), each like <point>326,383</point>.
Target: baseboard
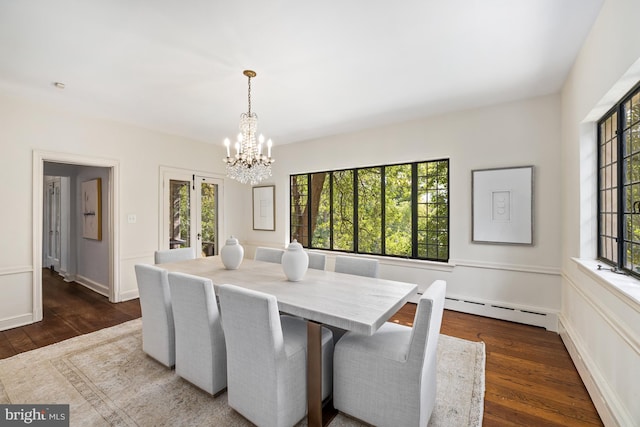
<point>503,311</point>
<point>601,395</point>
<point>94,286</point>
<point>129,295</point>
<point>16,321</point>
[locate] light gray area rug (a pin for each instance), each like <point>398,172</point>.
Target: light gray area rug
<point>109,381</point>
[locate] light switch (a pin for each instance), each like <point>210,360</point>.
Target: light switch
<point>131,219</point>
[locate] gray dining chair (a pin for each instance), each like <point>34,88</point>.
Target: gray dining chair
<point>355,265</point>
<point>201,356</point>
<point>269,255</point>
<point>174,255</point>
<point>389,378</point>
<point>266,358</point>
<point>317,261</point>
<point>158,331</point>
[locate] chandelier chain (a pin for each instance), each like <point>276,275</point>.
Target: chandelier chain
<point>249,94</point>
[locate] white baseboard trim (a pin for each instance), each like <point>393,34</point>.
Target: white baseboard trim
<point>16,321</point>
<point>504,311</point>
<point>610,410</point>
<point>129,295</point>
<point>94,286</point>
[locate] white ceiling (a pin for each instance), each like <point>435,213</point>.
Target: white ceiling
<point>324,67</point>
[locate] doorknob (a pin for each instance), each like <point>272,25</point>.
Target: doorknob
<point>199,236</point>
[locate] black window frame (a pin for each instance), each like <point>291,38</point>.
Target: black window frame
<point>617,243</point>
<point>415,253</point>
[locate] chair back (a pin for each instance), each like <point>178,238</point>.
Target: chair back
<point>174,255</point>
<point>359,266</point>
<point>424,343</point>
<point>200,341</point>
<point>158,332</point>
<point>255,352</point>
<point>252,323</point>
<point>269,255</point>
<point>317,261</point>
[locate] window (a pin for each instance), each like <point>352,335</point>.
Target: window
<point>619,185</point>
<point>395,210</point>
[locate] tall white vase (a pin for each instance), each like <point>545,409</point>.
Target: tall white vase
<point>232,254</point>
<point>295,262</point>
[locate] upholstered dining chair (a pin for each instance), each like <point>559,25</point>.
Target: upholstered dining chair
<point>269,255</point>
<point>355,265</point>
<point>201,356</point>
<point>266,358</point>
<point>389,378</point>
<point>317,261</point>
<point>174,255</point>
<point>158,332</point>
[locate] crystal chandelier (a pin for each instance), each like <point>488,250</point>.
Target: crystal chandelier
<point>249,164</point>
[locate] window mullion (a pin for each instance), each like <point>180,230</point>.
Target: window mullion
<point>414,210</point>
<point>355,210</point>
<point>382,211</point>
<point>620,214</point>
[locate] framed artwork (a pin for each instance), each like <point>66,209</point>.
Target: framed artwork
<point>92,209</point>
<point>264,208</point>
<point>502,203</point>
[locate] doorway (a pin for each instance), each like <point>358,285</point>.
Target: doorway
<point>73,257</point>
<point>192,215</point>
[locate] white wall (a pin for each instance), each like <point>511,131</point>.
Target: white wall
<point>514,134</point>
<point>27,126</point>
<point>599,323</point>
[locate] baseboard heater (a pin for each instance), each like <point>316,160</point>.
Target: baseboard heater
<point>503,312</point>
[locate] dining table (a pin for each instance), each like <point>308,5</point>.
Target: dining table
<point>353,303</point>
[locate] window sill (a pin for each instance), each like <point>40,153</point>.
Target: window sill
<point>624,286</point>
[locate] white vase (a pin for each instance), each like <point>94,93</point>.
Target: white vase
<point>232,254</point>
<point>295,262</point>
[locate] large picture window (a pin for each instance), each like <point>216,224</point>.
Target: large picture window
<point>619,185</point>
<point>395,210</point>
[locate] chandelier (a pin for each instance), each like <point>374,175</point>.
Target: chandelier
<point>249,164</point>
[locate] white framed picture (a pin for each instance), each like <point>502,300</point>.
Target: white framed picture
<point>502,203</point>
<point>264,209</point>
<point>92,209</point>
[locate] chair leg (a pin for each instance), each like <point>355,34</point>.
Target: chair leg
<point>314,374</point>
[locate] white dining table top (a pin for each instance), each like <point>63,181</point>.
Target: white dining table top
<point>354,303</point>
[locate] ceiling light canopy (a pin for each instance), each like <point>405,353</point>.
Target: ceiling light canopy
<point>249,164</point>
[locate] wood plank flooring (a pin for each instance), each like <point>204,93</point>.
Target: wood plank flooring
<point>530,378</point>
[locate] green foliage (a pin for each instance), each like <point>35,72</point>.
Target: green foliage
<point>385,210</point>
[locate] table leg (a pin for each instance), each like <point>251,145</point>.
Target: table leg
<point>314,374</point>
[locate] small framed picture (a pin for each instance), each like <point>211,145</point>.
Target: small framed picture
<point>264,208</point>
<point>92,209</point>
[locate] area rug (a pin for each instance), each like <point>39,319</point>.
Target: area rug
<point>108,381</point>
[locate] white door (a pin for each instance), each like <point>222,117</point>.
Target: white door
<point>52,223</point>
<point>192,212</point>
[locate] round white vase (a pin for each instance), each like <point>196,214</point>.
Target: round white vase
<point>295,262</point>
<point>232,254</point>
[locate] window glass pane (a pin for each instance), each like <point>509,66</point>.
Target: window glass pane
<point>320,211</point>
<point>180,223</point>
<point>209,218</point>
<point>343,210</point>
<point>398,223</point>
<point>299,219</point>
<point>370,211</point>
<point>433,212</point>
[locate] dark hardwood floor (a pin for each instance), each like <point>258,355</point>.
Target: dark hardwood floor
<point>530,378</point>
